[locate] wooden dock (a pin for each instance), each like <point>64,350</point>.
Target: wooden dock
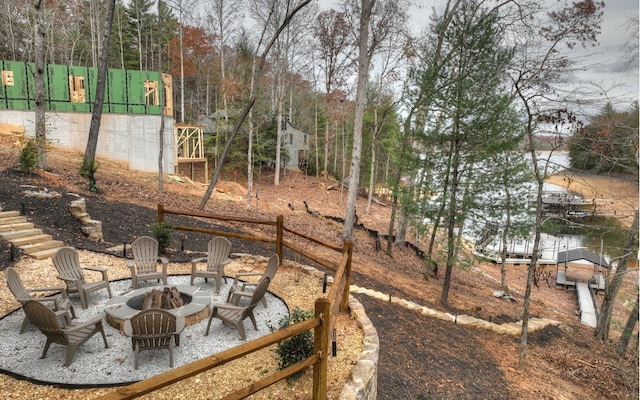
<point>563,204</point>
<point>587,308</point>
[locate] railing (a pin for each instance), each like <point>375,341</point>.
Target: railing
<point>325,311</point>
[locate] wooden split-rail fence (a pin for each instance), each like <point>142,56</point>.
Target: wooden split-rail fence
<point>326,309</point>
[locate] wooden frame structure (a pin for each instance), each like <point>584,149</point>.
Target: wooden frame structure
<point>189,149</point>
<point>598,261</point>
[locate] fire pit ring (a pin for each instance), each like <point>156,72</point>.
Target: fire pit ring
<point>119,308</point>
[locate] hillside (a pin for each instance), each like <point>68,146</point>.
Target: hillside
<point>420,357</point>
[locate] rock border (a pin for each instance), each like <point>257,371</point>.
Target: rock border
<point>363,382</point>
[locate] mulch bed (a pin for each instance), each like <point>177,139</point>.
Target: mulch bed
<point>420,357</point>
<point>122,222</point>
<point>412,364</point>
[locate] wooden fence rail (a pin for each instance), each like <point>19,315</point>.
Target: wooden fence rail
<point>311,239</point>
<point>325,311</point>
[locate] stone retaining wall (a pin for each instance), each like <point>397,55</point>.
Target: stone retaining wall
<point>363,382</point>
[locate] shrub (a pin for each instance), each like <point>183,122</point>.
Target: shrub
<point>297,348</point>
<point>28,159</point>
<point>163,232</point>
<point>88,170</point>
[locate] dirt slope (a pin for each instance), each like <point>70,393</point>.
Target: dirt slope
<point>420,358</point>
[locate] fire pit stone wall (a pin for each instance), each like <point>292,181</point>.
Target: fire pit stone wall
<point>117,310</point>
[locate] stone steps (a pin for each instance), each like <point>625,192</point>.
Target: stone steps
<point>27,240</point>
<point>15,229</point>
<point>19,234</point>
<point>39,255</point>
<point>37,247</point>
<point>8,214</point>
<point>14,220</point>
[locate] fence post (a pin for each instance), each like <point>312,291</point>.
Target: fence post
<point>279,235</point>
<point>320,347</point>
<point>160,213</point>
<point>347,247</point>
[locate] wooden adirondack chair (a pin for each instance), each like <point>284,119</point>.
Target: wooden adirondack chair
<point>218,250</point>
<point>71,336</point>
<point>154,329</point>
<point>144,266</point>
<point>67,264</point>
<point>240,289</point>
<point>235,315</point>
<point>61,306</point>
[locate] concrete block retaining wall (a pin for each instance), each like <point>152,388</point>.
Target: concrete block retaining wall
<point>131,139</point>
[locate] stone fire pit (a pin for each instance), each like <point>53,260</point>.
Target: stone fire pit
<point>124,306</point>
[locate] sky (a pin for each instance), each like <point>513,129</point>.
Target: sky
<point>603,67</point>
<point>607,63</point>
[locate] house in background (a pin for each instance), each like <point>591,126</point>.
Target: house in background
<point>131,117</point>
<point>294,141</point>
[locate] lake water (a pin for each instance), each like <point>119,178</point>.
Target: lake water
<point>609,241</point>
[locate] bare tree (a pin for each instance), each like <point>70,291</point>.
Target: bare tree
<point>629,327</point>
<point>389,32</point>
<point>377,27</point>
<point>630,251</point>
<point>633,41</point>
<point>184,9</point>
<point>333,44</point>
<point>281,60</point>
<point>94,30</point>
<point>378,125</point>
<point>224,18</point>
<point>251,102</point>
<point>363,78</point>
<point>11,11</point>
<point>538,69</point>
<point>89,165</point>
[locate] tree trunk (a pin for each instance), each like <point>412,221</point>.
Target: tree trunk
<point>121,44</point>
<point>94,34</point>
<point>372,180</point>
<point>536,243</point>
<point>343,170</point>
<point>181,44</point>
<point>335,151</point>
<point>250,149</point>
<point>627,332</point>
<point>89,166</point>
<point>503,265</point>
<point>162,103</point>
<point>40,123</point>
<point>356,152</point>
<point>373,160</point>
<point>453,201</point>
<point>394,207</point>
<point>250,163</point>
<point>406,147</point>
<point>315,138</point>
<point>161,149</point>
<point>326,152</point>
<point>610,293</point>
<point>403,222</point>
<point>279,121</point>
<point>438,218</point>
